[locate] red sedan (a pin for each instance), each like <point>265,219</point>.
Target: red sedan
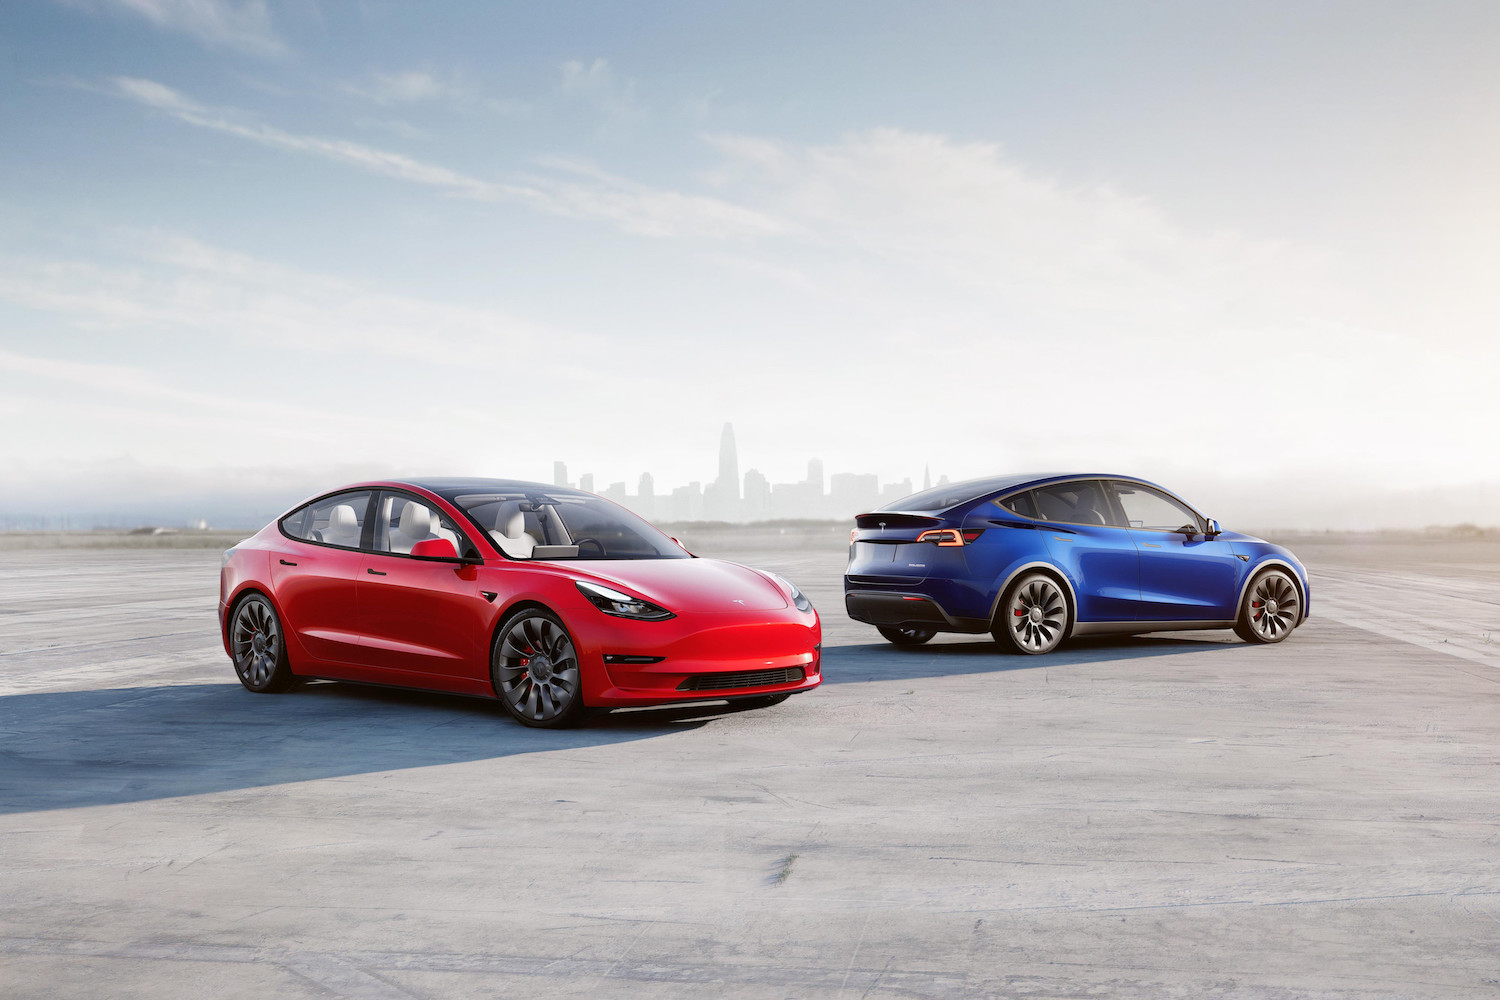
<point>550,599</point>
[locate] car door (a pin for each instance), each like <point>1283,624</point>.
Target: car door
<point>1185,575</point>
<point>314,578</point>
<point>1084,535</point>
<point>420,616</point>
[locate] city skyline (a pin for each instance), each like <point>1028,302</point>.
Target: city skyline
<point>752,497</point>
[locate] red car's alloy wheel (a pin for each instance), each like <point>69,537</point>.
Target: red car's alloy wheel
<point>535,670</point>
<point>259,653</point>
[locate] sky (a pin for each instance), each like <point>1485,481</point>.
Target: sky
<point>258,249</point>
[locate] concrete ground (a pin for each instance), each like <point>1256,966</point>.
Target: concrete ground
<point>1170,816</point>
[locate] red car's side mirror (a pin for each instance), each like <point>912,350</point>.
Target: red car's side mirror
<point>435,548</point>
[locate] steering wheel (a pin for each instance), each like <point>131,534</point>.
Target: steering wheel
<point>581,542</point>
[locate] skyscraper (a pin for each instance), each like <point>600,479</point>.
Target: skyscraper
<point>559,474</point>
<point>815,475</point>
<point>728,483</point>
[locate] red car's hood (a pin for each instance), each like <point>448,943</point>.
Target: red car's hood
<point>691,584</point>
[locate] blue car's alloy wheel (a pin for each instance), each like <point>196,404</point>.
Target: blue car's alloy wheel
<point>1271,608</point>
<point>1033,617</point>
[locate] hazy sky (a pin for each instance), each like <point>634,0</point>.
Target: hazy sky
<point>265,243</point>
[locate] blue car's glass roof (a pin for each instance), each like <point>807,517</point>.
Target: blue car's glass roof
<point>952,494</point>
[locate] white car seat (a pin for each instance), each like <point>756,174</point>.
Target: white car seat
<point>343,527</point>
<point>510,531</point>
<point>415,526</point>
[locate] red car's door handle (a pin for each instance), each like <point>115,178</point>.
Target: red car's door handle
<point>374,572</point>
<point>285,563</point>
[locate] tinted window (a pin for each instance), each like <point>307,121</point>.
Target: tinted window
<point>1153,510</point>
<point>1078,502</point>
<point>939,498</point>
<point>336,520</point>
<point>565,525</point>
<point>402,521</point>
<point>1021,503</point>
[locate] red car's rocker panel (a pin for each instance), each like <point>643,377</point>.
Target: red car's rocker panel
<point>550,599</point>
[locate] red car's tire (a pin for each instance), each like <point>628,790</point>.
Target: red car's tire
<point>258,646</point>
<point>535,671</point>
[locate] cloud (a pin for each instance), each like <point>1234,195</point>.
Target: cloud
<point>262,362</point>
<point>244,25</point>
<point>595,84</point>
<point>967,224</point>
<point>570,190</point>
<point>411,87</point>
<point>175,286</point>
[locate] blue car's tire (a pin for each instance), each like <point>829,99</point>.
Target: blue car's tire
<point>905,636</point>
<point>1272,607</point>
<point>1034,615</point>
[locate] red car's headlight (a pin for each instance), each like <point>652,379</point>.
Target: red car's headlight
<point>799,599</point>
<point>612,602</point>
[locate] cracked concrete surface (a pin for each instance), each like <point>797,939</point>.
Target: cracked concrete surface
<point>1166,816</point>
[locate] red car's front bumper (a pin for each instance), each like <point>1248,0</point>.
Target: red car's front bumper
<point>653,663</point>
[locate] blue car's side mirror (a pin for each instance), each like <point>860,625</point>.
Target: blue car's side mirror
<point>1213,528</point>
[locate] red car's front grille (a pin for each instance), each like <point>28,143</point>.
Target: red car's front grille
<point>729,681</point>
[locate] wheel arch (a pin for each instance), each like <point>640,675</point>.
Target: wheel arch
<point>1272,562</point>
<point>1050,569</point>
<point>244,590</point>
<point>288,634</point>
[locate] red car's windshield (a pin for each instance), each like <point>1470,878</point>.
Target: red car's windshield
<point>565,525</point>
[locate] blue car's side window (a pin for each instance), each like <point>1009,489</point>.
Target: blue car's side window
<point>1153,511</point>
<point>1082,501</point>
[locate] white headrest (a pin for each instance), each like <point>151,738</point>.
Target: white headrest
<point>510,520</point>
<point>342,518</point>
<point>416,520</point>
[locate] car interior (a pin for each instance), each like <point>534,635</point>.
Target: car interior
<point>1072,503</point>
<point>417,523</point>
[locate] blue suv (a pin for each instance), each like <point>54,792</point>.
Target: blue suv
<point>1036,559</point>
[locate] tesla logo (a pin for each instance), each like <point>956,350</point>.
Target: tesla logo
<point>882,525</point>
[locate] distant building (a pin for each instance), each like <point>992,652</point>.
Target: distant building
<point>891,492</point>
<point>728,498</point>
<point>685,503</point>
<point>757,503</point>
<point>851,493</point>
<point>815,475</point>
<point>794,500</point>
<point>729,465</point>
